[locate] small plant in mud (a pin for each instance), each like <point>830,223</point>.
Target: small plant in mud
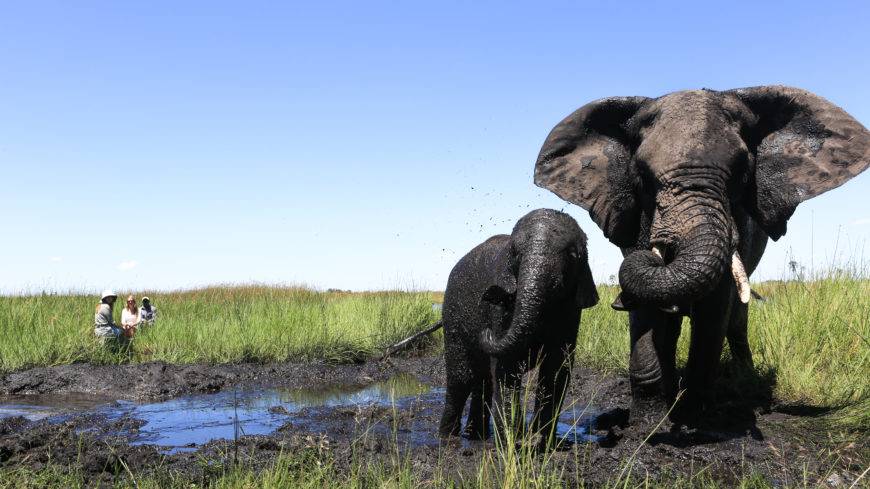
<point>523,459</point>
<point>213,467</point>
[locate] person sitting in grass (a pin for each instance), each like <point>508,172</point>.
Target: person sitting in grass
<point>147,313</point>
<point>130,317</point>
<point>104,325</point>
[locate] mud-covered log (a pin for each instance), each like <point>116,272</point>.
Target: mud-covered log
<point>407,341</point>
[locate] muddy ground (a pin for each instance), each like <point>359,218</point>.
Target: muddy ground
<point>781,443</point>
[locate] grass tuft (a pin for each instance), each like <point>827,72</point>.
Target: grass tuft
<point>216,325</point>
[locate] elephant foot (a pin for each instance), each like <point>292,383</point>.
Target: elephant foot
<point>610,419</point>
<point>451,442</point>
<point>742,372</point>
<point>647,409</point>
<point>446,435</point>
<point>542,443</point>
<point>475,432</point>
<point>448,428</point>
<point>693,408</point>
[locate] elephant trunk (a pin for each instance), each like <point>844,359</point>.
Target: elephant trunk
<point>700,257</point>
<point>527,314</point>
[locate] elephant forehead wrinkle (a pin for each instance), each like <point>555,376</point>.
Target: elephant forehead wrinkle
<point>689,124</point>
<point>700,186</point>
<point>697,168</point>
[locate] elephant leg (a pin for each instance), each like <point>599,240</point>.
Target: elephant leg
<point>710,318</point>
<point>738,341</point>
<point>507,410</point>
<point>554,374</point>
<point>752,244</point>
<point>481,400</point>
<point>460,380</point>
<point>652,368</point>
<point>454,401</point>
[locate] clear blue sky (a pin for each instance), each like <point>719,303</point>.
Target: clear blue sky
<point>358,145</point>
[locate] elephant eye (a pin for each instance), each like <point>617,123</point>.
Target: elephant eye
<point>641,120</point>
<point>645,179</point>
<point>740,174</point>
<point>573,253</point>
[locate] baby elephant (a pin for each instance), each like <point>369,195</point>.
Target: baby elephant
<point>513,303</point>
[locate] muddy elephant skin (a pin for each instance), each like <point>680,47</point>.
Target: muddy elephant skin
<point>690,185</point>
<point>512,303</point>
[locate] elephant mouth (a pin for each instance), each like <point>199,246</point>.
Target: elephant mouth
<point>627,302</point>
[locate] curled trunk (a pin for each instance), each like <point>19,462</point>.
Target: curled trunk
<point>526,317</point>
<point>700,260</point>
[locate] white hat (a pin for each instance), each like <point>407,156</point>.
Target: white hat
<point>146,299</point>
<point>108,293</point>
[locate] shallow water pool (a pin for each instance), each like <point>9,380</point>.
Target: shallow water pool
<point>187,422</point>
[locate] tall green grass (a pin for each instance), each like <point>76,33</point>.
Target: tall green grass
<point>603,338</point>
<point>215,325</point>
<point>814,336</point>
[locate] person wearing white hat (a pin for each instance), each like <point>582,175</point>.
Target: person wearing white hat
<point>104,324</point>
<point>147,313</point>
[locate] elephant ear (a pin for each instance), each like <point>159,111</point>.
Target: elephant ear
<point>804,146</point>
<point>586,160</point>
<point>587,293</point>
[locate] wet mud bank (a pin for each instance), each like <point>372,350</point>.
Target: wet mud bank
<point>195,419</point>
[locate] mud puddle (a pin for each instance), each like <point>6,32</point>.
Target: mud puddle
<point>49,406</point>
<point>185,422</point>
<point>169,418</point>
<point>188,422</point>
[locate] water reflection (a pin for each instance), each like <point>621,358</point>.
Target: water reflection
<point>37,407</point>
<point>183,423</point>
<point>198,419</point>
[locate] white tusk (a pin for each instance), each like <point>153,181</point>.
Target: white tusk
<point>740,277</point>
<point>657,252</point>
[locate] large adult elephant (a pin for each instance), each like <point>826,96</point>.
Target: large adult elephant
<point>690,185</point>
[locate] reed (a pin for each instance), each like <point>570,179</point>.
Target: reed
<point>215,325</point>
<point>811,336</point>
